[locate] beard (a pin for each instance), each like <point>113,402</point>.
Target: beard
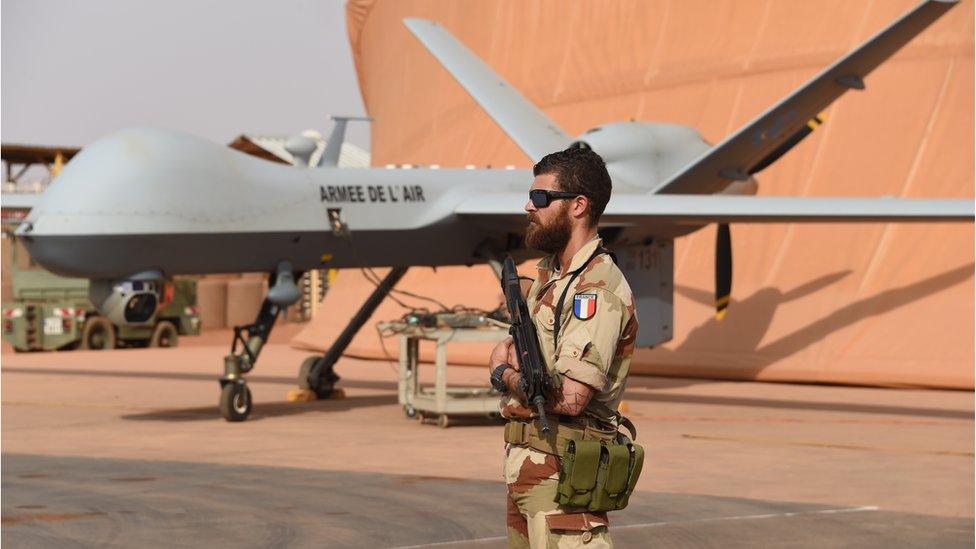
<point>549,238</point>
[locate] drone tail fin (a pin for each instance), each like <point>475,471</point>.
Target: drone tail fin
<point>333,147</point>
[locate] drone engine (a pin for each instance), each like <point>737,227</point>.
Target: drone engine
<point>644,154</point>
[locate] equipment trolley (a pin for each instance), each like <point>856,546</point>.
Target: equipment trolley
<point>440,401</point>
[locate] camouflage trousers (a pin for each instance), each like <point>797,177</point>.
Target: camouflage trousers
<point>534,519</point>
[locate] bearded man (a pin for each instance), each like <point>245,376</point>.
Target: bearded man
<point>584,313</point>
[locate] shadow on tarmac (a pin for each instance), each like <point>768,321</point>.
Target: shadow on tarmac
<point>263,410</point>
<point>646,384</point>
<point>279,380</point>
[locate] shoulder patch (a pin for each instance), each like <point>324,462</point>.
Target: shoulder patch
<point>584,306</point>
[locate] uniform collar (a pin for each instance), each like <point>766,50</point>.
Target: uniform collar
<point>550,262</point>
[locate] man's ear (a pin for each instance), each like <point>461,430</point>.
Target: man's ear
<point>580,204</point>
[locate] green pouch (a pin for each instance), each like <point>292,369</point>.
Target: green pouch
<point>612,478</point>
<point>636,465</point>
<point>600,475</point>
<point>578,475</point>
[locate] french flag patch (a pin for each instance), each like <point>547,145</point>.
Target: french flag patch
<point>584,306</point>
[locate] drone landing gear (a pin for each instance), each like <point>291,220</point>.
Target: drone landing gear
<point>317,373</point>
<point>318,377</point>
<point>235,397</point>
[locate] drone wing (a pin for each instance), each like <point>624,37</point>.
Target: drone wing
<point>637,210</point>
<point>528,126</point>
<point>781,127</point>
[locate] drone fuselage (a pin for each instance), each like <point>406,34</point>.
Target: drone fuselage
<point>155,200</point>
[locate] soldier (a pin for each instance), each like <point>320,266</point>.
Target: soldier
<point>584,313</point>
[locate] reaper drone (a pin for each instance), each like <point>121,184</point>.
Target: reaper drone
<point>145,204</point>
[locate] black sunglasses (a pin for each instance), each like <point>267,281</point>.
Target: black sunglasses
<point>541,197</point>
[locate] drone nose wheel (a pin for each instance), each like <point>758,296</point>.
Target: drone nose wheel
<point>235,401</point>
<point>235,397</point>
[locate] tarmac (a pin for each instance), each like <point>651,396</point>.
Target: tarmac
<point>127,448</point>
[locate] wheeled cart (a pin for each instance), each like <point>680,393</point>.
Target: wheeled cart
<point>441,401</point>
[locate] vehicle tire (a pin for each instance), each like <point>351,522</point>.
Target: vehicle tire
<point>164,335</point>
<point>304,371</point>
<point>409,411</point>
<point>235,401</point>
<point>98,334</point>
<point>443,422</point>
<point>311,377</point>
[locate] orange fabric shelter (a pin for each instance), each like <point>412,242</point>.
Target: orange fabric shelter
<point>883,304</point>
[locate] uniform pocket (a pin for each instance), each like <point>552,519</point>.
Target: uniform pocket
<point>545,320</point>
<point>584,525</point>
<point>578,361</point>
<point>574,344</point>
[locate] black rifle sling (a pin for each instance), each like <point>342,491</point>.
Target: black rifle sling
<point>562,297</point>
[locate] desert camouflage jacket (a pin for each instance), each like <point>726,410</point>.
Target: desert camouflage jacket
<point>598,329</point>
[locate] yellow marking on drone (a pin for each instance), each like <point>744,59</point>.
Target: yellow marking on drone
<point>721,306</point>
<point>816,121</point>
<point>331,275</point>
<point>326,257</point>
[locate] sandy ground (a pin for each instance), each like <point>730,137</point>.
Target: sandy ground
<point>902,452</point>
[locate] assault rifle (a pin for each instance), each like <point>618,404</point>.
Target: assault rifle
<point>535,382</point>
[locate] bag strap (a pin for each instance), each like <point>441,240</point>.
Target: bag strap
<point>605,410</point>
<point>562,298</point>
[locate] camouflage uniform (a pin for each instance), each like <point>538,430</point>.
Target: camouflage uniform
<point>596,351</point>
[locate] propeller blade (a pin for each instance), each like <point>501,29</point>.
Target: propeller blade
<point>793,141</point>
<point>723,270</point>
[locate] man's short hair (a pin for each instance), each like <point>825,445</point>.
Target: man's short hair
<point>579,170</point>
